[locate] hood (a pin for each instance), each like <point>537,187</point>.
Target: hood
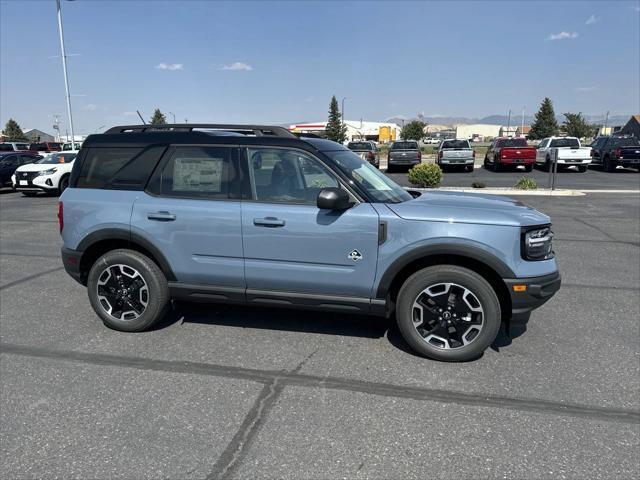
<point>39,167</point>
<point>458,207</point>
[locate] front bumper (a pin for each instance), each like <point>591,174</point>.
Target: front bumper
<point>71,261</point>
<point>629,162</point>
<point>41,183</point>
<point>537,291</point>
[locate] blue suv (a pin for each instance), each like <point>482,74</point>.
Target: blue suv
<point>253,214</point>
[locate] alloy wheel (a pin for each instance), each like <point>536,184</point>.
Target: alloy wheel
<point>447,316</point>
<point>122,292</point>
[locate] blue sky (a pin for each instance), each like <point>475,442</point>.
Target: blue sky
<point>274,62</point>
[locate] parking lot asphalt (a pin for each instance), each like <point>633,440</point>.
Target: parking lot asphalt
<point>593,179</point>
<point>236,392</point>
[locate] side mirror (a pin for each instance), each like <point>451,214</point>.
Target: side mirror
<point>333,198</point>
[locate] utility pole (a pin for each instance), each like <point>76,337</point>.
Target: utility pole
<point>522,131</point>
<point>64,67</point>
<point>174,117</point>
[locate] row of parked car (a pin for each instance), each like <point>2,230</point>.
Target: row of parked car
<point>30,172</point>
<point>607,152</point>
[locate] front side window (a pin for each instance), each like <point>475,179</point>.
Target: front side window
<point>10,161</point>
<point>197,172</point>
<point>289,176</point>
<point>379,187</point>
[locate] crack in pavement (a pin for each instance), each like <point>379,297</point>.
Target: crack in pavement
<point>597,413</point>
<point>238,448</point>
<point>30,277</point>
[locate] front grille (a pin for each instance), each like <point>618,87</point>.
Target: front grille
<point>26,175</point>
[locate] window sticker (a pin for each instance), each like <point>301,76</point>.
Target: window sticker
<point>197,175</point>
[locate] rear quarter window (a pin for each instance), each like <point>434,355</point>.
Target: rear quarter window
<point>117,168</point>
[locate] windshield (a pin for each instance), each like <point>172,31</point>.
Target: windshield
<point>379,187</point>
<point>512,142</point>
<point>359,146</point>
<point>626,142</point>
<point>404,146</point>
<point>565,142</point>
<point>455,144</point>
<point>56,158</point>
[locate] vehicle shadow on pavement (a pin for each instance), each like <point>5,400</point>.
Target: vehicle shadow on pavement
<point>304,321</point>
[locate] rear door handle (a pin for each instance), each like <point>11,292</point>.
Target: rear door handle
<point>161,216</point>
<point>270,222</point>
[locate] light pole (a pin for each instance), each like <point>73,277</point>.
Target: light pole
<point>342,110</point>
<point>64,67</point>
<point>509,124</point>
<point>522,131</point>
<point>174,117</point>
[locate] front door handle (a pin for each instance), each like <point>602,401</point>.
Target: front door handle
<point>271,222</point>
<point>162,216</point>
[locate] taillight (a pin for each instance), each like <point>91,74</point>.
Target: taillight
<point>61,216</point>
<point>370,156</point>
<point>616,153</point>
<point>474,153</point>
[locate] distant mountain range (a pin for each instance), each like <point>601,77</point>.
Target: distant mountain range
<point>515,120</point>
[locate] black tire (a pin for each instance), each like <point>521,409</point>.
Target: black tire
<point>64,183</point>
<point>29,194</point>
<point>156,283</point>
<point>439,274</point>
<point>582,168</point>
<point>468,168</point>
<point>528,168</point>
<point>496,166</point>
<point>486,163</point>
<point>547,165</point>
<point>390,168</point>
<point>608,165</point>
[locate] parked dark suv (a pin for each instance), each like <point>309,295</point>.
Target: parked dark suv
<point>252,214</point>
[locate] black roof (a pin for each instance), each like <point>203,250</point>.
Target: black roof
<point>220,134</point>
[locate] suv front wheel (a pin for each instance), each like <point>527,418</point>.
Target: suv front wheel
<point>448,313</point>
<point>127,290</point>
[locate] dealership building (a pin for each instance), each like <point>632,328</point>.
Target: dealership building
<point>356,130</point>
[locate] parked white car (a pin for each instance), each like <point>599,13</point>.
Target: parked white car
<point>567,151</point>
<point>49,174</point>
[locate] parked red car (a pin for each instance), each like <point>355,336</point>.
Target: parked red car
<point>510,152</point>
<point>45,147</point>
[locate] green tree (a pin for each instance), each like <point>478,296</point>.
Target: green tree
<point>13,132</point>
<point>575,125</point>
<point>414,130</point>
<point>158,118</point>
<point>545,124</point>
<point>336,129</point>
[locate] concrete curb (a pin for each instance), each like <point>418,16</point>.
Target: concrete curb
<point>514,191</point>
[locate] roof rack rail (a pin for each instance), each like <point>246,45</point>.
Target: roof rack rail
<point>257,130</point>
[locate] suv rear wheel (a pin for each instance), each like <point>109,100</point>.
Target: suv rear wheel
<point>448,313</point>
<point>127,290</point>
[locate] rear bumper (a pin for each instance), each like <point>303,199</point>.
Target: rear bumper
<point>574,161</point>
<point>517,161</point>
<point>404,161</point>
<point>71,261</point>
<point>457,161</point>
<point>538,291</point>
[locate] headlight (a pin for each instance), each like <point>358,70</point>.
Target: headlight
<point>537,243</point>
<point>48,172</point>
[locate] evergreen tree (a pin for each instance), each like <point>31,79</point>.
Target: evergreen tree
<point>336,129</point>
<point>158,118</point>
<point>13,132</point>
<point>414,130</point>
<point>545,124</point>
<point>575,125</point>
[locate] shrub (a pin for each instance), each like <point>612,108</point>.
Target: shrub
<point>478,184</point>
<point>425,175</point>
<point>526,183</point>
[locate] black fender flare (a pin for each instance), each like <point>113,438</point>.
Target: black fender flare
<point>466,250</point>
<point>131,238</point>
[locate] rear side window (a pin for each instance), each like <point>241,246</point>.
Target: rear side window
<point>118,168</point>
<point>197,172</point>
<point>6,147</point>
